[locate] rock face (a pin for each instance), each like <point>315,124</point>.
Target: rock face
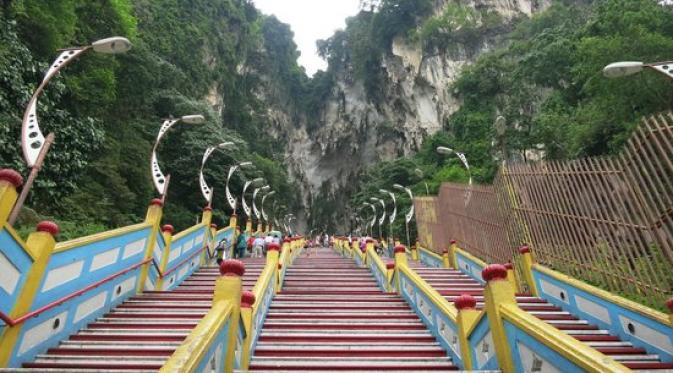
<point>356,132</point>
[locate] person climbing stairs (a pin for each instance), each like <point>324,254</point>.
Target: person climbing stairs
<point>331,316</point>
<point>141,333</point>
<point>452,283</point>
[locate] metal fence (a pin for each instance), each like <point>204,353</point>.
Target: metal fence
<point>606,220</point>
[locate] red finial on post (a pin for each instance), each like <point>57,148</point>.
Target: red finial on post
<point>48,226</point>
<point>445,251</point>
<point>11,176</point>
<point>494,272</point>
<point>214,226</point>
<point>524,249</point>
<point>273,246</point>
<point>247,299</point>
<point>207,208</point>
<point>465,302</point>
<point>232,267</point>
<point>168,228</point>
<point>669,304</point>
<point>390,265</point>
<point>157,202</point>
<point>509,266</point>
<point>453,242</point>
<point>399,249</point>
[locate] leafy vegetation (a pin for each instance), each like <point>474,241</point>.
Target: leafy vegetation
<point>105,110</point>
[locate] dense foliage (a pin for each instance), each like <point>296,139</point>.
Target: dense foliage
<point>106,110</point>
<point>547,84</point>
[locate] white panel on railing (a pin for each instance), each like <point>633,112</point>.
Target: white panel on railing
<point>104,259</point>
<point>175,253</point>
<point>123,288</point>
<point>157,251</point>
<point>134,248</point>
<point>41,332</point>
<point>647,334</point>
<point>485,349</point>
<point>532,362</point>
<point>90,306</point>
<point>61,275</point>
<point>593,309</point>
<point>9,275</point>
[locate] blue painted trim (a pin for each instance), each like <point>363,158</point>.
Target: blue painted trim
<point>262,312</point>
<point>17,257</point>
<point>436,321</point>
<point>516,336</point>
<point>217,351</point>
<point>614,311</point>
<point>381,278</point>
<point>469,267</point>
<point>477,335</point>
<point>429,260</point>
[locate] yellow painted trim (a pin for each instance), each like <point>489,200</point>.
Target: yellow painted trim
<point>81,241</point>
<point>19,241</point>
<point>481,315</point>
<point>467,320</point>
<point>473,258</point>
<point>433,295</point>
<point>42,245</point>
<point>190,353</point>
<point>497,293</point>
<point>188,231</point>
<point>606,295</point>
<point>8,197</point>
<point>587,358</point>
<point>373,256</point>
<point>527,263</point>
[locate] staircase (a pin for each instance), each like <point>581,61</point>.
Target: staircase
<point>141,333</point>
<point>453,283</point>
<point>331,316</point>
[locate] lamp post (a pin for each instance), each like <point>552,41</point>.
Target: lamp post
<point>161,181</point>
<point>410,213</point>
<point>626,68</point>
<point>420,174</point>
<point>33,143</point>
<point>233,219</point>
<point>246,208</point>
<point>447,151</point>
<point>207,191</point>
<point>264,215</point>
<point>373,221</point>
<point>393,214</point>
<point>254,206</point>
<point>383,215</point>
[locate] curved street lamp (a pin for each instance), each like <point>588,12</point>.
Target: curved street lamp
<point>420,174</point>
<point>264,215</point>
<point>373,221</point>
<point>447,151</point>
<point>246,208</point>
<point>393,214</point>
<point>254,205</point>
<point>207,191</point>
<point>33,143</point>
<point>161,181</point>
<point>383,215</point>
<point>626,68</point>
<point>410,213</point>
<point>232,170</point>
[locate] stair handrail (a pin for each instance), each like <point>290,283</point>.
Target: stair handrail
<point>381,268</point>
<point>13,322</point>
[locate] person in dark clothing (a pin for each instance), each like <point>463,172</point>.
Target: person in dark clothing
<point>241,245</point>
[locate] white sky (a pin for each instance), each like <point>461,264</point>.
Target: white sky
<point>310,20</point>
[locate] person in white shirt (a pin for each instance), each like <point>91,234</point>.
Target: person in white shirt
<point>257,247</point>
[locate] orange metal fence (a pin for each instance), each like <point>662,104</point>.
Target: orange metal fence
<point>608,221</point>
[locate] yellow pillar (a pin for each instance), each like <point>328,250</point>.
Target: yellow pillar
<point>40,245</point>
<point>400,253</point>
<point>233,220</point>
<point>272,256</point>
<point>446,262</point>
<point>498,291</point>
<point>369,244</point>
<point>247,301</point>
<point>10,181</point>
<point>153,217</point>
<point>511,276</point>
<point>248,226</point>
<point>390,271</point>
<point>355,247</point>
<point>453,262</point>
<point>467,316</point>
<point>527,266</point>
<point>228,288</point>
<point>414,252</point>
<point>167,233</point>
<point>206,219</point>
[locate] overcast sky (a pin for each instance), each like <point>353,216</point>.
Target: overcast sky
<point>310,20</point>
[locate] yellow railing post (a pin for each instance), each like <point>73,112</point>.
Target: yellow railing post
<point>233,220</point>
<point>248,226</point>
<point>498,291</point>
<point>167,234</point>
<point>247,300</point>
<point>40,245</point>
<point>453,262</point>
<point>446,262</point>
<point>10,181</point>
<point>390,271</point>
<point>467,317</point>
<point>527,267</point>
<point>206,219</point>
<point>414,251</point>
<point>153,217</point>
<point>355,247</point>
<point>511,277</point>
<point>228,288</point>
<point>400,253</point>
<point>272,256</point>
